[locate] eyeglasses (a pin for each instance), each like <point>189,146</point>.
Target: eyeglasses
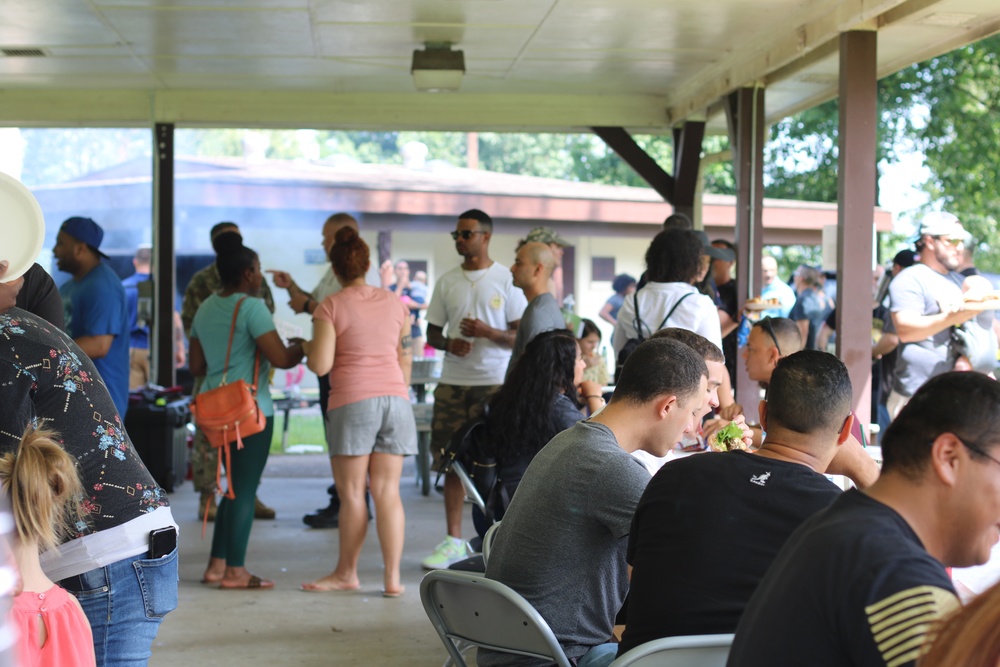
<point>466,234</point>
<point>978,450</point>
<point>766,323</point>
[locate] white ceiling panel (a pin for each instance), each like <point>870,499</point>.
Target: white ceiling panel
<point>565,62</point>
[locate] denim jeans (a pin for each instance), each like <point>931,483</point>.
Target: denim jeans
<point>125,603</point>
<point>601,655</point>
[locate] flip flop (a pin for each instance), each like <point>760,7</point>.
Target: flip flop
<point>313,587</point>
<point>254,582</point>
<point>393,594</point>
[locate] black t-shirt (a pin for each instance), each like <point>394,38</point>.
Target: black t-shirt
<point>705,532</point>
<point>40,296</point>
<point>853,586</point>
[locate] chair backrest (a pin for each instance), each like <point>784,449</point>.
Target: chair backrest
<point>687,651</point>
<point>488,538</point>
<point>470,488</point>
<point>471,608</point>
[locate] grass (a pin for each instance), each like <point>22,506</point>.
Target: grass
<point>302,429</point>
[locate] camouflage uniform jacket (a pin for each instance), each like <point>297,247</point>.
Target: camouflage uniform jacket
<point>205,283</point>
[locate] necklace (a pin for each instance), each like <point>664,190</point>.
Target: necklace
<point>465,274</point>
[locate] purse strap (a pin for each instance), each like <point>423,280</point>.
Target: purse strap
<point>229,349</point>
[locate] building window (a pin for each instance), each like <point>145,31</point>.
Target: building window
<point>602,268</point>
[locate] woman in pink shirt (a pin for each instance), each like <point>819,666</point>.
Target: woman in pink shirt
<point>361,337</point>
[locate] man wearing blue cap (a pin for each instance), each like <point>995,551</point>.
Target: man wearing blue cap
<point>94,304</point>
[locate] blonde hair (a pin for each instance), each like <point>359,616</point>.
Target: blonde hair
<point>44,488</point>
<point>969,636</point>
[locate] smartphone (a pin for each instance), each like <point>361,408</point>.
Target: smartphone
<point>162,542</point>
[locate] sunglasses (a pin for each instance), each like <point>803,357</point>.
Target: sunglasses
<point>766,324</point>
<point>950,241</point>
<point>465,234</point>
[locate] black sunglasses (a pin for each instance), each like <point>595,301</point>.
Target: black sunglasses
<point>466,234</point>
<point>766,323</point>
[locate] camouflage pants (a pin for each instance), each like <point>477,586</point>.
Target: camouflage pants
<point>453,406</point>
<point>204,463</point>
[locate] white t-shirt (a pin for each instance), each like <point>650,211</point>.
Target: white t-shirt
<point>326,286</point>
<point>488,295</point>
<point>696,313</point>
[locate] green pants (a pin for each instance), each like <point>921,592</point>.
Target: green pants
<point>235,517</point>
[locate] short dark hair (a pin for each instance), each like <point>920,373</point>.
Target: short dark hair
<point>965,404</point>
<point>588,327</point>
<point>708,350</point>
<point>622,282</point>
<point>217,228</point>
<point>724,242</point>
<point>660,367</point>
<point>785,330</point>
<point>674,256</point>
<point>485,221</point>
<point>809,392</point>
<point>678,221</point>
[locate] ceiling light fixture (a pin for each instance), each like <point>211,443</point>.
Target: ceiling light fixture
<point>437,69</point>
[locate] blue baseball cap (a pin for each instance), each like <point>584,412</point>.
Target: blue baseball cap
<point>86,231</point>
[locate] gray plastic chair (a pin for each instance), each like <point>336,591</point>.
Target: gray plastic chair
<point>471,608</point>
<point>687,651</point>
<point>488,541</point>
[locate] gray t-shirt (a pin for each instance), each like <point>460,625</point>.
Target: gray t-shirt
<point>541,315</point>
<point>921,289</point>
<point>563,540</point>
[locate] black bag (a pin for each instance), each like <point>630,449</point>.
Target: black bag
<point>633,343</point>
<point>470,446</point>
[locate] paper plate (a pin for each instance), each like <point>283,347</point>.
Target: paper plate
<point>22,227</point>
<point>758,306</point>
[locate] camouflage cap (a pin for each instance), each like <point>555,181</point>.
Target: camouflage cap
<point>546,235</point>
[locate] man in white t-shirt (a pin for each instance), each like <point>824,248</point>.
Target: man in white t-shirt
<point>480,308</point>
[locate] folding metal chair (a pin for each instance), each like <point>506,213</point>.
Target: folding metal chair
<point>470,608</point>
<point>687,651</point>
<point>471,494</point>
<point>488,541</point>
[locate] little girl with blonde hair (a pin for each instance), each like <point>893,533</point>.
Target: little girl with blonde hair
<point>43,485</point>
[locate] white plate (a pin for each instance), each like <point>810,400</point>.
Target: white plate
<point>22,227</point>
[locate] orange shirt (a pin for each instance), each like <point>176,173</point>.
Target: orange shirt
<point>367,321</point>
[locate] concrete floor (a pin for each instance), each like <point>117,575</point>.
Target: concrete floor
<point>286,626</point>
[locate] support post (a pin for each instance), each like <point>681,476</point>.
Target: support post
<point>745,116</point>
<point>164,274</point>
<point>855,215</point>
<point>687,162</point>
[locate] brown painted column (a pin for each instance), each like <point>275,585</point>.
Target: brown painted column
<point>745,115</point>
<point>164,274</point>
<point>687,160</point>
<point>856,196</point>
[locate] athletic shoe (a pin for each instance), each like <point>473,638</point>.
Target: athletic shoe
<point>451,550</point>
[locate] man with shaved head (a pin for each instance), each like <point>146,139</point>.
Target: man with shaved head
<point>531,270</point>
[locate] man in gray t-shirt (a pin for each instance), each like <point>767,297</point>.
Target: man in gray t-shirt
<point>531,270</point>
<point>926,302</point>
<point>562,542</point>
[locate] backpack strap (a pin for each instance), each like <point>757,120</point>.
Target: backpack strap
<point>637,321</point>
<point>664,322</point>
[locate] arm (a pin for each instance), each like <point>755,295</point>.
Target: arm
<point>592,398</point>
<point>886,344</point>
<point>605,314</point>
<point>95,347</point>
<point>823,337</point>
<point>274,350</point>
<point>727,323</point>
<point>180,355</point>
<point>476,328</point>
<point>912,327</point>
<point>321,350</point>
<point>803,326</point>
<point>457,346</point>
<point>405,352</point>
<point>196,361</point>
<point>853,462</point>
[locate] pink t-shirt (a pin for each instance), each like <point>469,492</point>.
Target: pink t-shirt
<point>69,642</point>
<point>367,321</point>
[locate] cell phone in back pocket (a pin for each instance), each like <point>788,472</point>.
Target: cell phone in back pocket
<point>162,542</point>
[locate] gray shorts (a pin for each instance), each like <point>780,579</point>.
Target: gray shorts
<point>382,424</point>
